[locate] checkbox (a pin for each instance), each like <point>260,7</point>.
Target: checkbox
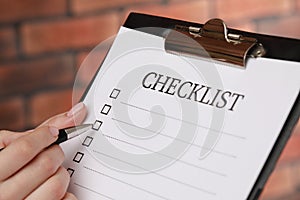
<point>78,157</point>
<point>115,93</point>
<point>71,171</point>
<point>97,124</point>
<point>87,141</point>
<point>106,108</point>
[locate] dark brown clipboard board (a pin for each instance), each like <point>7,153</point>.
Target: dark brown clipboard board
<point>276,48</point>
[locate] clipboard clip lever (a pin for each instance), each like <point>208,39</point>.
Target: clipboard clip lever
<point>212,40</point>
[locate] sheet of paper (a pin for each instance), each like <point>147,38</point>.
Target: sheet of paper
<point>172,127</point>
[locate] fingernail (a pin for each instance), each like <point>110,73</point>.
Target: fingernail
<point>77,108</point>
<point>54,131</point>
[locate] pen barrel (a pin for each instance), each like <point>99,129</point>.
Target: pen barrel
<point>62,136</point>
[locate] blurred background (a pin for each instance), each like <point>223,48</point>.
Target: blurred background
<point>43,42</point>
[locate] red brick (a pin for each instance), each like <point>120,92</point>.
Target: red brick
<point>85,6</point>
<point>67,34</point>
<point>287,27</point>
<point>238,10</point>
<point>279,184</point>
<point>48,104</point>
<point>7,43</point>
<point>12,115</point>
<point>196,11</point>
<point>24,77</point>
<point>16,10</point>
<point>291,151</point>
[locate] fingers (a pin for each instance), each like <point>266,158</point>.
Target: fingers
<point>6,137</point>
<point>23,150</point>
<point>54,188</point>
<point>69,196</point>
<point>75,116</point>
<point>27,164</point>
<point>71,118</point>
<point>41,168</point>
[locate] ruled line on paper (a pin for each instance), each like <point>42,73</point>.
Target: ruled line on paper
<point>181,161</point>
<point>158,174</point>
<point>174,138</point>
<point>188,122</point>
<point>91,190</point>
<point>129,184</point>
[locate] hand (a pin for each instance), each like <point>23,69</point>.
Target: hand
<point>29,168</point>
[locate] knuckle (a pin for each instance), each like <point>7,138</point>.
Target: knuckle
<point>70,196</point>
<point>65,175</point>
<point>57,190</point>
<point>58,152</point>
<point>60,184</point>
<point>26,147</point>
<point>50,160</point>
<point>5,141</point>
<point>44,132</point>
<point>46,163</point>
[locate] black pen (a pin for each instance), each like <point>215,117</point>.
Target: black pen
<point>71,132</point>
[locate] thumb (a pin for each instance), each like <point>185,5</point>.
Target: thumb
<point>7,137</point>
<point>73,117</point>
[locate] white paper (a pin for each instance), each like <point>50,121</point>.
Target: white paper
<point>154,145</point>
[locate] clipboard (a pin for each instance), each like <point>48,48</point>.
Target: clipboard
<point>273,47</point>
<point>235,58</point>
<point>276,47</point>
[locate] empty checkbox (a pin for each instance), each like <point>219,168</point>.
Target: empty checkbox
<point>97,124</point>
<point>78,157</point>
<point>71,171</point>
<point>106,108</point>
<point>115,93</point>
<point>87,141</point>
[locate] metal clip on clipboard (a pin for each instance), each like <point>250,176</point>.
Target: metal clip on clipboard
<point>213,41</point>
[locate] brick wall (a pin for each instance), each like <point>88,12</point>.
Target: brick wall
<point>43,42</point>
